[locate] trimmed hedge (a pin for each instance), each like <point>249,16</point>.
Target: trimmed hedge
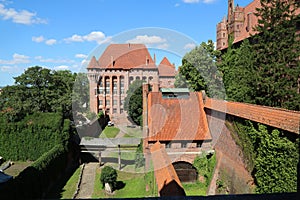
<point>33,136</point>
<point>37,179</point>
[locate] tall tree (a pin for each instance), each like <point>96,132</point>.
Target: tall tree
<point>277,50</point>
<point>134,102</point>
<point>199,71</point>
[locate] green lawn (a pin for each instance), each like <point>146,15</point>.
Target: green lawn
<point>17,167</point>
<point>109,132</point>
<point>133,132</point>
<point>195,189</point>
<point>135,186</point>
<point>70,187</point>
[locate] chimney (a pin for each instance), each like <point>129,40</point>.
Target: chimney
<point>154,58</point>
<point>112,61</point>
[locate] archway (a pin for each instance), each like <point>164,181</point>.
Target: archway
<point>186,171</point>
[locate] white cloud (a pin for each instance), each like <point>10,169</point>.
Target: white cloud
<point>62,67</point>
<point>51,60</point>
<point>163,46</point>
<point>17,59</point>
<point>198,1</point>
<point>190,1</point>
<point>20,17</point>
<point>96,36</point>
<point>189,46</point>
<point>79,55</point>
<point>11,69</point>
<point>38,39</point>
<point>145,39</point>
<point>177,4</point>
<point>50,42</point>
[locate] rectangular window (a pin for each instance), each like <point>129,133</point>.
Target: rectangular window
<point>115,89</point>
<point>100,90</point>
<point>100,102</point>
<point>168,145</point>
<point>114,110</point>
<point>107,103</point>
<point>121,110</point>
<point>114,102</point>
<point>199,144</point>
<point>183,144</point>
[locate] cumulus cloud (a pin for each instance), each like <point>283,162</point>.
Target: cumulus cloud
<point>198,1</point>
<point>145,39</point>
<point>62,67</point>
<point>96,36</point>
<point>50,42</point>
<point>51,60</point>
<point>189,46</point>
<point>17,59</point>
<point>11,69</point>
<point>38,39</point>
<point>80,55</point>
<point>20,17</point>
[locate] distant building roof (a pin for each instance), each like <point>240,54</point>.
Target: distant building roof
<point>165,173</point>
<point>165,68</point>
<point>124,56</point>
<point>177,118</point>
<point>174,90</point>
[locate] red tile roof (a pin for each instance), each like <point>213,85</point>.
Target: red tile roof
<point>124,56</point>
<point>165,68</point>
<point>177,119</point>
<point>276,117</point>
<point>163,168</point>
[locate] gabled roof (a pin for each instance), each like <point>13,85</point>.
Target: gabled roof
<point>177,118</point>
<point>163,168</point>
<point>165,68</point>
<point>124,56</point>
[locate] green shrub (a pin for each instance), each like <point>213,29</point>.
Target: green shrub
<point>109,175</point>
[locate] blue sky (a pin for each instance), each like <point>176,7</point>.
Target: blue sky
<point>61,34</point>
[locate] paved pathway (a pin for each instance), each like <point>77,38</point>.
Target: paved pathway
<point>87,182</point>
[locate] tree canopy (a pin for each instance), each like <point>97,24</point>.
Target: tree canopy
<point>38,90</point>
<point>199,72</point>
<point>133,102</point>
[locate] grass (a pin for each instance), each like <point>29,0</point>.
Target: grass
<point>70,187</point>
<point>135,186</point>
<point>133,133</point>
<point>17,167</point>
<point>109,132</point>
<point>195,189</point>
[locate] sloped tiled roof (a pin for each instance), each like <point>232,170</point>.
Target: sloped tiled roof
<point>165,68</point>
<point>163,168</point>
<point>124,56</point>
<point>276,117</point>
<point>177,119</point>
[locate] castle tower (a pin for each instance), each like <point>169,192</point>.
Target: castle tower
<point>222,35</point>
<point>230,9</point>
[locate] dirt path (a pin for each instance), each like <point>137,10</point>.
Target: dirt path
<point>87,182</point>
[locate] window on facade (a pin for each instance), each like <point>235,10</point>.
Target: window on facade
<point>183,144</point>
<point>121,110</point>
<point>168,145</point>
<point>223,35</point>
<point>107,88</point>
<point>114,102</point>
<point>100,102</point>
<point>115,89</point>
<point>114,110</point>
<point>107,103</point>
<point>100,90</point>
<point>237,27</point>
<point>199,144</point>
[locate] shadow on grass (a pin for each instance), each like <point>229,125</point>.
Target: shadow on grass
<point>120,185</point>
